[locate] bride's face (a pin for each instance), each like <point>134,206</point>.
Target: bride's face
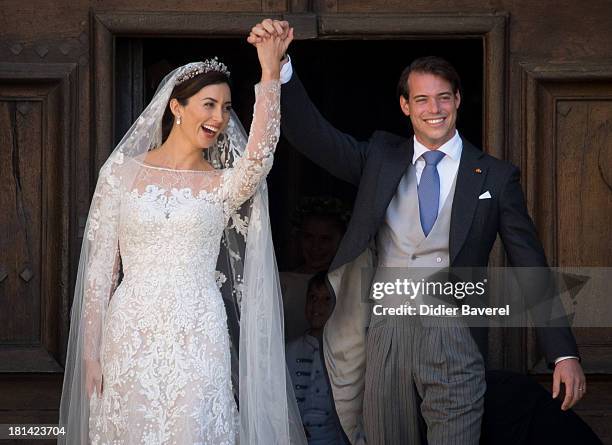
<point>206,115</point>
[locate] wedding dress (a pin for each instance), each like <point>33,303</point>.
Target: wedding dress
<point>165,353</point>
<point>160,333</point>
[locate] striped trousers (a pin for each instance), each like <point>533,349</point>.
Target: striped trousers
<point>424,383</point>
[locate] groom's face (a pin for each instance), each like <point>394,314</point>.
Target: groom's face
<point>432,107</point>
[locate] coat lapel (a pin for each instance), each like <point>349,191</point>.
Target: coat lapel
<point>470,177</point>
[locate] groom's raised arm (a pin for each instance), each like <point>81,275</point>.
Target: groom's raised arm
<point>311,134</point>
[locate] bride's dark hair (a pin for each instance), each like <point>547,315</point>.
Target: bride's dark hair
<point>184,90</point>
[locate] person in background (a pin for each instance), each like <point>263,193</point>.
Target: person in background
<point>319,224</point>
<point>305,363</point>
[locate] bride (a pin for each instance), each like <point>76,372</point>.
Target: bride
<point>180,215</point>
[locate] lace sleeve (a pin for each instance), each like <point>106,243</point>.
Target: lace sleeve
<point>103,259</point>
<point>241,181</point>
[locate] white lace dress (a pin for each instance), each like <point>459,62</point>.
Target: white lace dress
<point>161,336</point>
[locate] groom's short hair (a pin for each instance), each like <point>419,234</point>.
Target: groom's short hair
<point>429,65</point>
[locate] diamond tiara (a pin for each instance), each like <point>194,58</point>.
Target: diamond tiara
<point>193,69</point>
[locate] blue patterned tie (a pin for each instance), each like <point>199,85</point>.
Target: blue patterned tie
<point>429,190</point>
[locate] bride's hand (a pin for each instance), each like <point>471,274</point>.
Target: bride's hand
<point>93,377</point>
<point>270,52</point>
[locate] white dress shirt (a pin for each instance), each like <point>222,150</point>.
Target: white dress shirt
<point>286,71</point>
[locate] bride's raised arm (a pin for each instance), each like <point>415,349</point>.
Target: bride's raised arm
<point>242,180</point>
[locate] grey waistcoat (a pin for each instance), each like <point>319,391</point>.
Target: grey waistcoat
<point>401,242</point>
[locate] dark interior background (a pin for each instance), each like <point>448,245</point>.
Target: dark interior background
<point>353,82</point>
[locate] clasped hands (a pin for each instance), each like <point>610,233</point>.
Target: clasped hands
<point>271,38</point>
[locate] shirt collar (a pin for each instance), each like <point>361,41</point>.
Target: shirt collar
<point>451,148</point>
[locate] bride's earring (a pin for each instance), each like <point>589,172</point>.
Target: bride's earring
<point>178,120</point>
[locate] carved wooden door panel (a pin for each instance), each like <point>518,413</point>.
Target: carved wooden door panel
<point>36,106</point>
<point>568,164</point>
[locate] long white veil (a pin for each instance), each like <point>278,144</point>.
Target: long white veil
<point>248,281</point>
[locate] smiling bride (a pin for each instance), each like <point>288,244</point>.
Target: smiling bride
<point>180,214</point>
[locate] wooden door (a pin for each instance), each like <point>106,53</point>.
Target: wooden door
<point>568,169</point>
<point>36,106</point>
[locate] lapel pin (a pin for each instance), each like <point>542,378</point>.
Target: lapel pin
<point>477,170</point>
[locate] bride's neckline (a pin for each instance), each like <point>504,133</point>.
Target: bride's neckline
<point>157,167</point>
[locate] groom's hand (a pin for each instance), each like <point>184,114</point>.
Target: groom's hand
<point>569,372</point>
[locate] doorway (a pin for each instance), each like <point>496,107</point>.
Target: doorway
<point>352,82</point>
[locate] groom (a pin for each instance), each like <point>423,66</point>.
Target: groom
<point>433,200</point>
